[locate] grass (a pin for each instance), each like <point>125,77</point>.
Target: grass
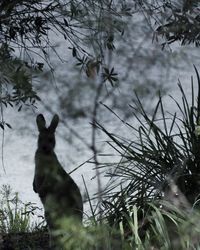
<point>20,227</point>
<point>165,148</point>
<point>163,226</point>
<point>16,216</point>
<point>164,229</point>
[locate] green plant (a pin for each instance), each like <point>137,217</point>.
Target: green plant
<point>165,227</point>
<point>166,147</point>
<point>16,216</point>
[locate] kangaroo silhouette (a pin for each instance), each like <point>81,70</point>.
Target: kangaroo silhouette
<point>58,192</point>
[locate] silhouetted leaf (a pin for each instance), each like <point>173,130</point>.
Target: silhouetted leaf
<point>2,126</point>
<point>19,109</point>
<point>74,52</point>
<point>8,125</point>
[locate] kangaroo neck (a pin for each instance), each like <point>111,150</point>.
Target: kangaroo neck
<point>45,152</point>
<point>51,155</point>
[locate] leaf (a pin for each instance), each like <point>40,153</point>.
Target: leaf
<point>4,103</point>
<point>110,75</point>
<point>10,104</point>
<point>66,23</point>
<point>19,109</point>
<point>2,126</point>
<point>74,54</point>
<point>8,125</point>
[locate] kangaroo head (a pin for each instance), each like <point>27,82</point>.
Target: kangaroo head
<point>46,139</point>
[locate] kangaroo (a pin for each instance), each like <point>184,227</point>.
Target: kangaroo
<point>58,192</point>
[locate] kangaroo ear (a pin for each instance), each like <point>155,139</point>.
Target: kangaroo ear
<point>54,123</point>
<point>41,123</point>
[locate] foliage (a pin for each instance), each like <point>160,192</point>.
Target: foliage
<point>15,216</point>
<point>26,32</point>
<point>28,26</point>
<point>166,148</point>
<point>165,229</point>
<point>175,20</point>
<point>29,21</point>
<point>74,236</point>
<point>16,80</point>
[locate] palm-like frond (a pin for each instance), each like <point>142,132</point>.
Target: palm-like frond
<point>168,147</point>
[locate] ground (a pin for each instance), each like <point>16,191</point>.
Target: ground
<point>25,241</point>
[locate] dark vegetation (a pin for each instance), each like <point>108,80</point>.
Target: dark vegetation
<point>158,199</point>
<point>152,198</point>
